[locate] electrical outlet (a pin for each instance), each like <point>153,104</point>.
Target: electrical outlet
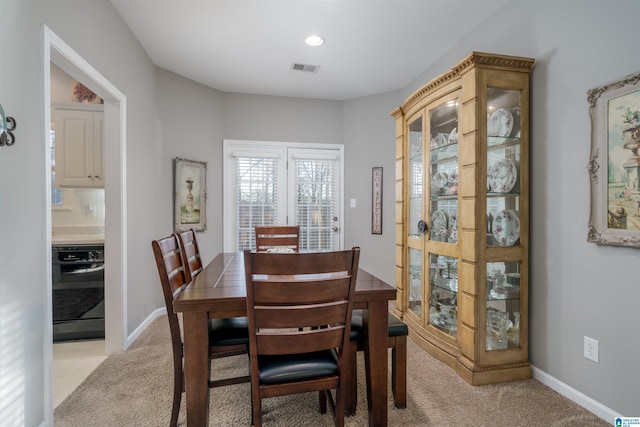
<point>591,349</point>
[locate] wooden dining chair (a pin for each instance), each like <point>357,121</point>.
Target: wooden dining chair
<point>227,337</point>
<point>277,238</point>
<point>286,292</point>
<point>397,332</point>
<point>191,251</point>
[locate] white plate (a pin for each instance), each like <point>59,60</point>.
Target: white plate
<point>439,230</point>
<point>500,123</point>
<point>503,176</point>
<point>506,227</point>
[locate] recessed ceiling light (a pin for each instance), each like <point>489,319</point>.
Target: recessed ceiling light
<point>314,40</point>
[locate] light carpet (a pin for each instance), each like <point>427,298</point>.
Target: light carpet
<point>134,388</point>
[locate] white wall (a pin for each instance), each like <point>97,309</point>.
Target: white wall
<point>576,288</point>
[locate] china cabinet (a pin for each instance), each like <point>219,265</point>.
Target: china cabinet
<point>462,217</point>
<point>78,145</point>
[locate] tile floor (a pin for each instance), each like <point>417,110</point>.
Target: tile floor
<point>73,361</point>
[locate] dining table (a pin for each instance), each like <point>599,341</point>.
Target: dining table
<point>219,291</point>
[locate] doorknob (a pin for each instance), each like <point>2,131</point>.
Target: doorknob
<point>336,228</point>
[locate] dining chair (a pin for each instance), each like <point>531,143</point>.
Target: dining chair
<point>289,291</point>
<point>227,337</point>
<point>277,238</point>
<point>397,332</point>
<point>191,251</point>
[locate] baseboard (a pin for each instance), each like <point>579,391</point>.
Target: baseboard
<point>571,393</point>
<point>153,316</point>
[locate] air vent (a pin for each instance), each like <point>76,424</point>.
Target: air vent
<point>305,67</point>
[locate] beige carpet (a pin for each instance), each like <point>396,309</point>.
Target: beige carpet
<point>134,389</point>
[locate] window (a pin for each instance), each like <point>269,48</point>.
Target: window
<point>56,193</point>
<point>270,183</point>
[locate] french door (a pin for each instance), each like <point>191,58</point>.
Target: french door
<point>269,183</point>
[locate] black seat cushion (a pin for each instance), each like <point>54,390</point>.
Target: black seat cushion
<point>297,367</point>
<point>397,327</point>
<point>231,331</point>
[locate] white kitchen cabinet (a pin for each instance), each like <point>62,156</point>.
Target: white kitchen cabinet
<point>78,140</point>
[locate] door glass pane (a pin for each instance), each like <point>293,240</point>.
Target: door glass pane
<point>315,203</point>
<point>443,293</point>
<point>256,191</point>
<point>503,305</point>
<point>443,174</point>
<point>503,167</point>
<point>415,177</point>
<point>415,281</point>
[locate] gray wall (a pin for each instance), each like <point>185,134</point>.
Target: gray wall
<point>99,35</point>
<point>576,288</point>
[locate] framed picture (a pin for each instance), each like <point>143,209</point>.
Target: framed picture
<point>614,164</point>
<point>190,195</point>
<point>376,200</point>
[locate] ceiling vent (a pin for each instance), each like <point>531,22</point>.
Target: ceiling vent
<point>305,67</point>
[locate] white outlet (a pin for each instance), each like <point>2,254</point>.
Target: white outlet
<point>353,203</point>
<point>591,349</point>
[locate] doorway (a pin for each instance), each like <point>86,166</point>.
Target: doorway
<point>56,51</point>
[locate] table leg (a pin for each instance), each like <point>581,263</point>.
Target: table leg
<point>197,369</point>
<point>377,324</point>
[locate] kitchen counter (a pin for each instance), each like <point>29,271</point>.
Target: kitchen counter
<point>77,239</point>
<point>77,235</point>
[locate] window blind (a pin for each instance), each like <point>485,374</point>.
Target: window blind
<point>256,195</point>
<point>315,203</point>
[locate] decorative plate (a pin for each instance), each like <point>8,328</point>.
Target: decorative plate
<point>453,136</point>
<point>441,139</point>
<point>506,227</point>
<point>500,123</point>
<point>503,176</point>
<point>439,230</point>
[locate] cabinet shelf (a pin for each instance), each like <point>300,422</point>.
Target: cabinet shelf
<point>463,294</point>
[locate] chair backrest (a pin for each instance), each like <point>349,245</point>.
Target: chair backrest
<point>191,252</point>
<point>277,238</point>
<point>174,277</point>
<point>286,292</point>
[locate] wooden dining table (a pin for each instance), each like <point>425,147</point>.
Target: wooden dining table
<point>219,291</point>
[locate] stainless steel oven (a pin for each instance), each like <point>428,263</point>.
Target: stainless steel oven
<point>78,292</point>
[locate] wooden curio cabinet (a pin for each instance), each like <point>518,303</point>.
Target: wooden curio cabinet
<point>462,217</point>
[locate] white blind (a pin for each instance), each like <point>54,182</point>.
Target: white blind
<point>315,204</point>
<point>256,195</point>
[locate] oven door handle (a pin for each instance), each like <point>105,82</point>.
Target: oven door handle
<point>87,270</point>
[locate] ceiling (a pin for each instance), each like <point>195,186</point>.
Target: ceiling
<point>249,46</point>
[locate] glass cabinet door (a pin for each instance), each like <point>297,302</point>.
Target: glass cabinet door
<point>443,172</point>
<point>503,217</point>
<point>415,177</point>
<point>443,216</point>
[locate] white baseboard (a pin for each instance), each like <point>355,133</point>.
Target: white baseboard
<point>154,314</point>
<point>571,393</point>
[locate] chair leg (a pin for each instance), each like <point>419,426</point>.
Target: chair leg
<point>256,408</point>
<point>399,372</point>
<point>351,389</point>
<point>177,397</point>
<point>322,399</point>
